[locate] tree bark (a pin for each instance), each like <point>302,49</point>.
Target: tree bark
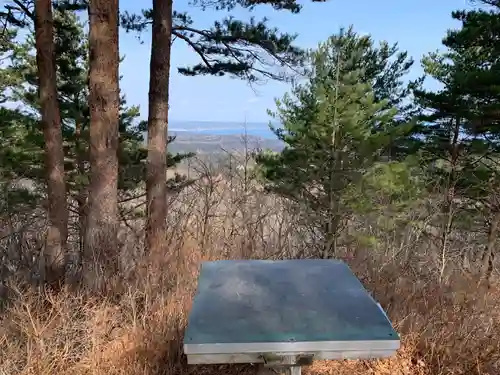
<point>101,247</point>
<point>81,196</point>
<point>156,188</point>
<point>447,209</point>
<point>57,234</point>
<point>489,252</point>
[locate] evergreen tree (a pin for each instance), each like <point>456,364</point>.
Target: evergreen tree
<point>245,50</point>
<point>443,138</point>
<point>159,83</point>
<point>72,84</point>
<point>20,155</point>
<point>336,128</point>
<point>457,137</point>
<point>477,44</point>
<point>55,250</point>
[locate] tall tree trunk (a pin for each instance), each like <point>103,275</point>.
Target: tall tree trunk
<point>101,247</point>
<point>81,196</point>
<point>447,209</point>
<point>489,252</point>
<point>56,240</point>
<point>156,188</point>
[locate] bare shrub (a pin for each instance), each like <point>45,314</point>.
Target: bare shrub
<point>449,325</point>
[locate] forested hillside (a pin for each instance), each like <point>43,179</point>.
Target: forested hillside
<point>103,229</point>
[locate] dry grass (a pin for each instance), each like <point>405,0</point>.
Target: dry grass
<point>445,330</point>
<point>137,327</point>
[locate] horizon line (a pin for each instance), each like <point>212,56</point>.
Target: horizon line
<point>242,123</point>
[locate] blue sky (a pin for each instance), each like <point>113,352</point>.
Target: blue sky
<point>417,25</point>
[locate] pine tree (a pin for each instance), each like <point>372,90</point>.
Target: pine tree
<point>57,232</point>
<point>444,141</point>
<point>229,47</point>
<point>101,232</point>
<point>159,77</point>
<point>336,128</point>
<point>19,14</point>
<point>72,85</point>
<point>21,155</point>
<point>477,44</point>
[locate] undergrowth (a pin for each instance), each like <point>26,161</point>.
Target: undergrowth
<point>448,325</point>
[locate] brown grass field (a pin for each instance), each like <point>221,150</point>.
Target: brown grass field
<point>449,325</point>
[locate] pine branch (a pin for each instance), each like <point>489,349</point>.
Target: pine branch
<point>193,46</point>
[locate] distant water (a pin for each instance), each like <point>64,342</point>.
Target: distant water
<point>259,129</point>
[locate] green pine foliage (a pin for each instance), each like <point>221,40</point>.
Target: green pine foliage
<point>20,156</point>
<point>458,130</point>
<point>250,50</point>
<point>337,128</point>
<point>71,53</point>
<point>478,44</point>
